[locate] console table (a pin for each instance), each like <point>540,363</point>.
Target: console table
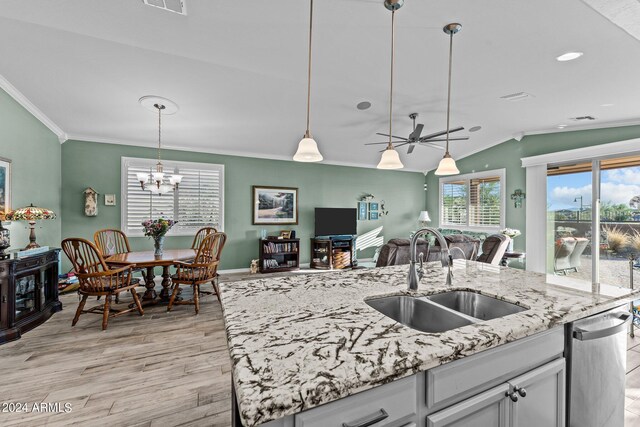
<point>28,293</point>
<point>333,253</point>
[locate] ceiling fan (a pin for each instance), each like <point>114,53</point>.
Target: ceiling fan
<point>415,138</point>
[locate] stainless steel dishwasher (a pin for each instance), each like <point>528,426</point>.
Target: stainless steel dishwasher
<point>596,367</point>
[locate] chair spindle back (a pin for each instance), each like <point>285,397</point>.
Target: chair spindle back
<point>111,242</point>
<point>200,235</point>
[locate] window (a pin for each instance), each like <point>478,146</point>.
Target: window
<point>198,202</point>
<point>474,200</point>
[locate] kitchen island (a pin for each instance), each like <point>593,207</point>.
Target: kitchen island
<point>303,341</point>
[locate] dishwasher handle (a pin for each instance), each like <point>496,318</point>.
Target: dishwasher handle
<point>584,335</point>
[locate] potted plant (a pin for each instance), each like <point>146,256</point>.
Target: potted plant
<point>512,233</point>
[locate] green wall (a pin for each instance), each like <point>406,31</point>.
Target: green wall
<point>508,154</point>
<point>34,152</point>
<point>90,164</point>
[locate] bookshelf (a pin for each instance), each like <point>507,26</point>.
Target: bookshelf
<point>279,255</point>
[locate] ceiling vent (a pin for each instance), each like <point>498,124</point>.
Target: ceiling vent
<point>176,6</point>
<point>582,118</point>
<point>518,96</point>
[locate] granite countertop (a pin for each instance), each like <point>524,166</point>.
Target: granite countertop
<point>300,341</point>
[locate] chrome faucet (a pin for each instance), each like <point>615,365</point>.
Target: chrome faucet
<point>416,273</point>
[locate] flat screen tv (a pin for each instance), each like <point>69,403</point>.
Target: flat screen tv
<point>336,221</point>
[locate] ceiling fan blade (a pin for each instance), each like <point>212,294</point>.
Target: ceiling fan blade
<point>426,144</point>
<point>411,147</point>
<point>393,136</point>
<point>402,145</point>
<point>386,142</point>
<point>443,132</point>
<point>461,138</point>
<point>416,132</point>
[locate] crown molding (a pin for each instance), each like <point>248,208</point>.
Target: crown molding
<point>31,108</point>
<point>222,152</point>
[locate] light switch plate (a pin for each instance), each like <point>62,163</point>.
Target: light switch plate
<point>109,199</point>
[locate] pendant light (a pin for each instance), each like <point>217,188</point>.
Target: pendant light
<point>390,158</point>
<point>307,148</point>
<point>447,165</point>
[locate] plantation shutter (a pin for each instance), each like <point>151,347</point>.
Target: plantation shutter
<point>198,201</point>
<point>484,202</point>
<point>454,203</point>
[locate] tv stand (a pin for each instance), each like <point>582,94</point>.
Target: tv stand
<point>333,252</point>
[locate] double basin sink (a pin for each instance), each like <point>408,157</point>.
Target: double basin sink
<point>443,312</point>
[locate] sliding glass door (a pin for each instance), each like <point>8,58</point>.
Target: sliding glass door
<point>574,250</point>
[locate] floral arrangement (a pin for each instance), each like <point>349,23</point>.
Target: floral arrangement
<point>511,232</point>
<point>157,227</point>
<point>30,213</point>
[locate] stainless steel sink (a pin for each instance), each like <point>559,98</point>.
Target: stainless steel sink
<point>476,305</point>
<point>419,314</point>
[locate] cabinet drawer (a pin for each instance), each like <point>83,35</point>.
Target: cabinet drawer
<point>462,378</point>
<point>397,399</point>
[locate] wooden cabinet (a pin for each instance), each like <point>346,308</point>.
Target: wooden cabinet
<point>534,399</point>
<point>279,255</point>
<point>334,253</point>
<point>28,293</point>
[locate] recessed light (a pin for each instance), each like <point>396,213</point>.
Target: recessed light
<point>364,105</point>
<point>561,126</point>
<point>475,129</point>
<point>569,56</point>
<point>606,105</point>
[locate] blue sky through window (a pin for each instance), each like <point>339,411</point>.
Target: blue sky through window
<point>617,186</point>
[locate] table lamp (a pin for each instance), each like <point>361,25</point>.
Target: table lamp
<point>31,214</point>
<point>423,219</point>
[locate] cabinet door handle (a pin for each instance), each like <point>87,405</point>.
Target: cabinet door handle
<point>521,391</point>
<point>513,396</point>
<point>369,420</point>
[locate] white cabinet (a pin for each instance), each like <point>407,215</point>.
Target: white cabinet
<point>394,404</point>
<point>543,404</point>
<point>484,410</point>
<point>534,399</point>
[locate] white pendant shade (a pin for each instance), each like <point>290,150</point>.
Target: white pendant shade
<point>307,151</point>
<point>390,160</point>
<point>447,166</point>
<point>424,216</point>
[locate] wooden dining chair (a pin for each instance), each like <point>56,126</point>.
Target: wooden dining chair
<point>201,270</point>
<point>111,241</point>
<point>96,279</point>
<point>200,235</point>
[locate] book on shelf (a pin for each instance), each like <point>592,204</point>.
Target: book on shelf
<point>273,248</point>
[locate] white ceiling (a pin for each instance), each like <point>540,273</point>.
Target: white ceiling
<point>238,71</point>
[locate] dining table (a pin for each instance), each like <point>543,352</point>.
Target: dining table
<point>149,261</point>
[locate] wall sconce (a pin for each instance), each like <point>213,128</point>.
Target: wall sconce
<point>518,196</point>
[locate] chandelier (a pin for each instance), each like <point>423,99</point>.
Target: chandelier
<point>157,182</point>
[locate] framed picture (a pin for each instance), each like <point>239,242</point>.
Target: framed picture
<point>5,186</point>
<point>275,205</point>
<point>373,216</point>
<point>373,206</point>
<point>285,234</point>
<point>362,211</point>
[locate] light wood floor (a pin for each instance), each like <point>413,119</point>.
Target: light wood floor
<point>162,369</point>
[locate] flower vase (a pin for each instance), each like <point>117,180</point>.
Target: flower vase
<point>158,243</point>
<point>510,246</point>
